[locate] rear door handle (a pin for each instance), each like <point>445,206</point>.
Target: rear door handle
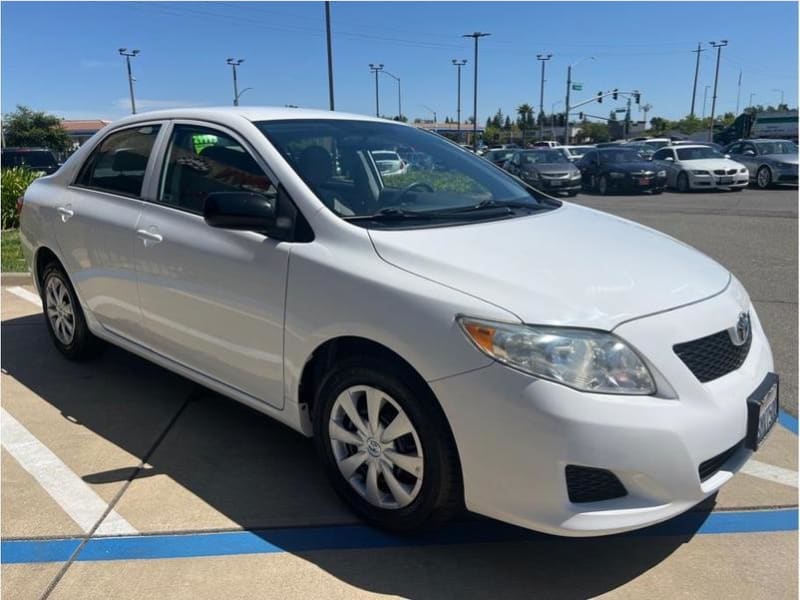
<point>66,212</point>
<point>150,236</point>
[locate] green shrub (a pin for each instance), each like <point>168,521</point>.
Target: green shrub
<point>15,181</point>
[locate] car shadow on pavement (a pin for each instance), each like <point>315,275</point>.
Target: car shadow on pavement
<point>220,465</point>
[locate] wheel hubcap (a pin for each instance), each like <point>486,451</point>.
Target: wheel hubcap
<point>59,310</point>
<point>763,178</point>
<point>376,447</point>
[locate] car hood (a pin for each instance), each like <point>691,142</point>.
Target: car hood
<point>571,266</point>
<point>711,164</point>
<point>783,158</point>
<point>628,167</point>
<point>551,167</point>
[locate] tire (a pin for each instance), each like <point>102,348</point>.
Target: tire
<point>735,189</point>
<point>683,183</point>
<point>602,185</point>
<point>572,194</point>
<point>764,178</point>
<point>64,316</point>
<point>428,445</point>
<point>656,192</point>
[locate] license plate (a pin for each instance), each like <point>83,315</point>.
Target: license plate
<point>556,183</point>
<point>762,411</point>
<point>644,181</point>
<point>725,180</point>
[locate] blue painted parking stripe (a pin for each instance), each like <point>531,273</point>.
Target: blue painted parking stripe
<point>358,537</point>
<point>788,421</point>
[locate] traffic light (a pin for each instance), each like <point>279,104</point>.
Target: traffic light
<point>600,97</point>
<point>580,116</point>
<point>636,97</point>
<point>615,95</point>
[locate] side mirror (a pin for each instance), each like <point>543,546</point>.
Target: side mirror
<point>748,153</point>
<point>246,211</point>
<point>669,159</point>
<point>727,156</point>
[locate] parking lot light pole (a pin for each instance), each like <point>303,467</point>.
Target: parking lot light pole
<point>719,46</point>
<point>376,69</point>
<point>476,36</point>
<point>458,64</point>
<point>399,101</point>
<point>124,52</point>
<point>696,73</point>
<point>544,58</point>
<point>235,62</point>
<point>566,103</point>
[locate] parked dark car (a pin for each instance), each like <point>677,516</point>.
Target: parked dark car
<point>499,156</point>
<point>36,159</point>
<point>620,169</point>
<point>547,170</point>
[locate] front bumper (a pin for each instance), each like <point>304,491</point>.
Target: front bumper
<point>553,186</point>
<point>634,184</point>
<point>516,434</point>
<point>709,182</point>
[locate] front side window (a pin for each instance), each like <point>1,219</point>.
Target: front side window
<point>200,161</point>
<point>353,167</point>
<point>776,148</point>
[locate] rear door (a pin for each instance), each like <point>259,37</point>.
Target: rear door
<point>212,299</point>
<point>95,223</point>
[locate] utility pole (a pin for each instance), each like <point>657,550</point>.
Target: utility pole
<point>696,73</point>
<point>429,109</point>
<point>566,103</point>
<point>544,58</point>
<point>719,46</point>
<point>376,69</point>
<point>476,36</point>
<point>738,91</point>
<point>330,52</point>
<point>124,52</point>
<point>399,101</point>
<point>235,62</point>
<point>458,64</point>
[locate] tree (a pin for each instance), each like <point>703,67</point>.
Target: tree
<point>497,120</point>
<point>26,127</point>
<point>594,132</point>
<point>507,123</point>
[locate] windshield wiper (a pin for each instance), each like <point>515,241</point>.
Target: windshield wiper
<point>397,214</point>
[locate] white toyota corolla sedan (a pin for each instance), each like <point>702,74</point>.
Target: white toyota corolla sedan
<point>447,335</point>
<point>700,168</point>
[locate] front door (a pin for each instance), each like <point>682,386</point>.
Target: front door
<point>212,299</point>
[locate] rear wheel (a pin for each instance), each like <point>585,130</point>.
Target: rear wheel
<point>764,178</point>
<point>386,445</point>
<point>64,317</point>
<point>683,183</point>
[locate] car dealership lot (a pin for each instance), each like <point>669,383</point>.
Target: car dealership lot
<point>206,498</point>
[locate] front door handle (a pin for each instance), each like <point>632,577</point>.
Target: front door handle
<point>66,212</point>
<point>149,236</point>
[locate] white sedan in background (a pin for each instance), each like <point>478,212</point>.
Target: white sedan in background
<point>700,167</point>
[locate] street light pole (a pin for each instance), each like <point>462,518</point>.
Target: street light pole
<point>476,36</point>
<point>544,58</point>
<point>458,64</point>
<point>719,46</point>
<point>330,52</point>
<point>429,109</point>
<point>696,73</point>
<point>376,69</point>
<point>399,101</point>
<point>124,52</point>
<point>566,103</point>
<point>235,62</point>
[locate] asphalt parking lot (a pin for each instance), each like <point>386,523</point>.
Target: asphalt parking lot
<point>122,480</point>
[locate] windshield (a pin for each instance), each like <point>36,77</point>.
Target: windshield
<point>340,160</point>
<point>579,150</point>
<point>33,158</point>
<point>619,156</point>
<point>543,157</point>
<point>776,148</point>
<point>697,153</point>
<point>656,144</point>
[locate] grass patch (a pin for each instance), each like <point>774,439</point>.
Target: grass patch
<point>11,247</point>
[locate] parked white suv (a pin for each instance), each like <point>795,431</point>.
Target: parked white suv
<point>457,340</point>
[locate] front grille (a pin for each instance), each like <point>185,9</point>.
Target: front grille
<point>731,171</point>
<point>587,484</point>
<point>709,468</point>
<point>554,175</point>
<point>719,171</point>
<point>712,356</point>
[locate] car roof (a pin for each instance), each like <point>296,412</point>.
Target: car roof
<point>26,149</point>
<point>683,146</point>
<point>765,140</point>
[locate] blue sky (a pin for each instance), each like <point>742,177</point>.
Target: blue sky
<point>62,56</point>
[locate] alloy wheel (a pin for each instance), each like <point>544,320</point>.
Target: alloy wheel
<point>764,177</point>
<point>376,447</point>
<point>58,305</point>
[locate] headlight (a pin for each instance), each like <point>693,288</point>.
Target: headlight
<point>742,170</point>
<point>661,174</point>
<point>530,174</point>
<point>575,175</point>
<point>616,175</point>
<point>698,172</point>
<point>587,360</point>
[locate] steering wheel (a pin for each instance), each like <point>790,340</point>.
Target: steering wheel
<point>411,186</point>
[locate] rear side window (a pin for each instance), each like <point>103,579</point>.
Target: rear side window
<point>119,163</point>
<point>662,154</point>
<point>201,161</point>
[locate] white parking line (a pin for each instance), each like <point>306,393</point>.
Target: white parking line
<point>770,473</point>
<point>78,500</point>
<point>26,295</point>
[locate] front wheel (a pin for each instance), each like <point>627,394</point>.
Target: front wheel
<point>602,185</point>
<point>683,183</point>
<point>386,445</point>
<point>764,178</point>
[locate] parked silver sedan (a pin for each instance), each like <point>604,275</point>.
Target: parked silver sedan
<point>769,161</point>
<point>700,167</point>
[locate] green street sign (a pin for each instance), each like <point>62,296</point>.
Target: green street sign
<point>577,87</point>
